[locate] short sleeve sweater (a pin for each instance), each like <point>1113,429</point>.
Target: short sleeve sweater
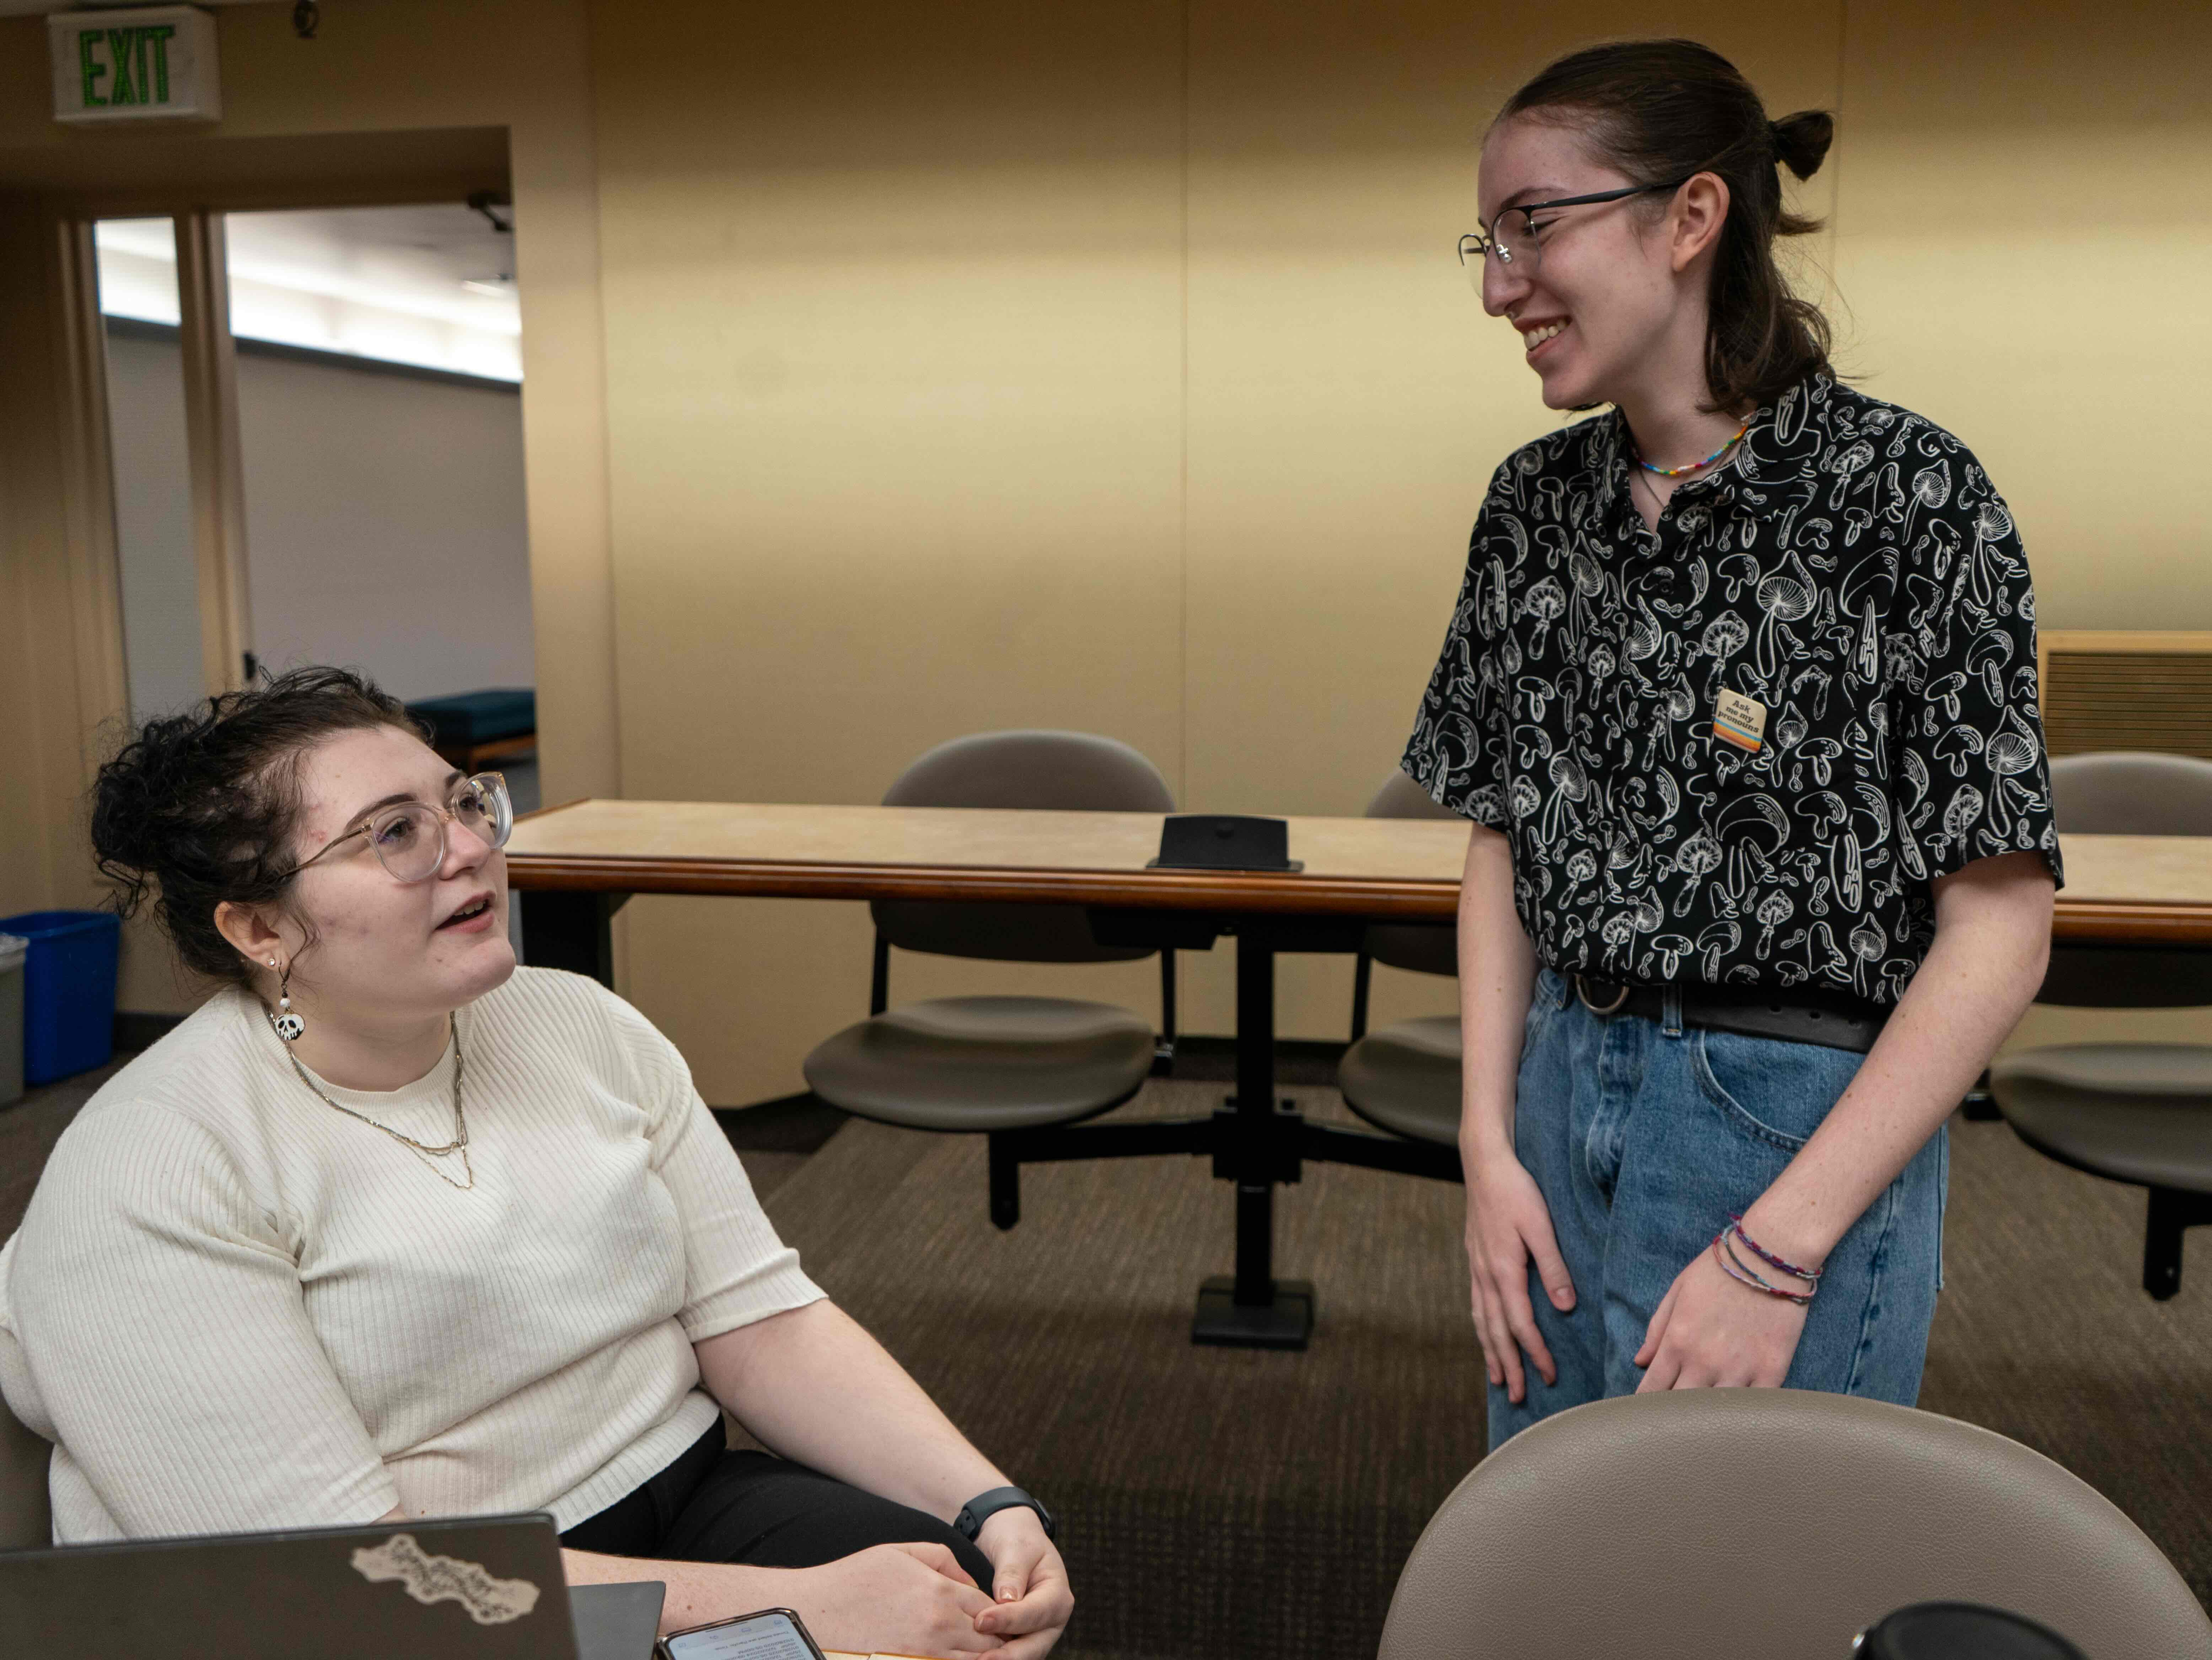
<point>1742,747</point>
<point>234,1308</point>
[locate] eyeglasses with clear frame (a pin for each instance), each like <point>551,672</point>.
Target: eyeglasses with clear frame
<point>1520,248</point>
<point>409,840</point>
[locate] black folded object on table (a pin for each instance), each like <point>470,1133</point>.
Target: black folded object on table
<point>1223,841</point>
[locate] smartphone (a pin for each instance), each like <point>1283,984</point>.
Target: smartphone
<point>771,1634</point>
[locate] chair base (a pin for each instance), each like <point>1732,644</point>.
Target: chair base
<point>1286,1322</point>
<point>2172,1213</point>
<point>1979,1107</point>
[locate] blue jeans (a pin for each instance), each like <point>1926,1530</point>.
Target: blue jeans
<point>1644,1136</point>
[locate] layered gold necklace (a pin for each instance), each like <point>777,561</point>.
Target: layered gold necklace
<point>460,1143</point>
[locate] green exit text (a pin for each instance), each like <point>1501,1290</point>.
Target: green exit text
<point>135,63</point>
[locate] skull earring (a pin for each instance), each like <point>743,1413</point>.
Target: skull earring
<point>288,1026</point>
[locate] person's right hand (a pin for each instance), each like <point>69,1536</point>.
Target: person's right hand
<point>1507,1225</point>
<point>899,1599</point>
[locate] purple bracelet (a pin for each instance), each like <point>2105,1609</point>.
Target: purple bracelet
<point>1732,1267</point>
<point>1810,1275</point>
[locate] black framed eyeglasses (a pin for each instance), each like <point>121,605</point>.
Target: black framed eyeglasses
<point>410,840</point>
<point>1519,247</point>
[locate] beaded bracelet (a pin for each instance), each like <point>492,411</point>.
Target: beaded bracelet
<point>1732,1265</point>
<point>1810,1275</point>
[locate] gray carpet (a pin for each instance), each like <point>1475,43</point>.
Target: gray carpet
<point>30,1127</point>
<point>1219,1502</point>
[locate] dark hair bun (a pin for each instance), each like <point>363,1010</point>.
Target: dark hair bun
<point>1802,141</point>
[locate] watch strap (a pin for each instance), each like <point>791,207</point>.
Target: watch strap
<point>984,1506</point>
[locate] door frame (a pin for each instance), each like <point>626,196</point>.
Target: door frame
<point>435,167</point>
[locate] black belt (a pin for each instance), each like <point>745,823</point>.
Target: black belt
<point>1834,1019</point>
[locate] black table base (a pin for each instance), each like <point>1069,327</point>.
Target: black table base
<point>1284,1320</point>
<point>1256,1142</point>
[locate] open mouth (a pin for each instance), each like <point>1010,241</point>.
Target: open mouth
<point>468,913</point>
<point>1542,335</point>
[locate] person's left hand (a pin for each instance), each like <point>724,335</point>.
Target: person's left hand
<point>1711,1333</point>
<point>1030,1600</point>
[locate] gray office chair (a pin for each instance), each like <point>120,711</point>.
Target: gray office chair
<point>25,1520</point>
<point>999,1064</point>
<point>1769,1524</point>
<point>2129,1112</point>
<point>1406,1077</point>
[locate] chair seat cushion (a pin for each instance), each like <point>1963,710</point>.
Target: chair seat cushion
<point>984,1063</point>
<point>1406,1078</point>
<point>2134,1112</point>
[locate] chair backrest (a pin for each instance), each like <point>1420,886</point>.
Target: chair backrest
<point>1064,771</point>
<point>2130,792</point>
<point>1646,1524</point>
<point>1423,946</point>
<point>25,1519</point>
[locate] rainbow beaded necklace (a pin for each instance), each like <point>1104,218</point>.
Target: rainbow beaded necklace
<point>1697,466</point>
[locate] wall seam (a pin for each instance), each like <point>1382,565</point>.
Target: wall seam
<point>1183,608</point>
<point>1839,146</point>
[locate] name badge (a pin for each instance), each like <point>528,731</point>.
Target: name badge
<point>1740,720</point>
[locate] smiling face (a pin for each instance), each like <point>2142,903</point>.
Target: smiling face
<point>1609,304</point>
<point>387,952</point>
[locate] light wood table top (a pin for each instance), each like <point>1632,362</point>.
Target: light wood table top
<point>1368,867</point>
<point>2123,889</point>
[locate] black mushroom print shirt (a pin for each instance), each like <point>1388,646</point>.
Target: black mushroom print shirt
<point>1741,749</point>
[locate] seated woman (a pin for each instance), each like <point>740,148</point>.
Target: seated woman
<point>391,1227</point>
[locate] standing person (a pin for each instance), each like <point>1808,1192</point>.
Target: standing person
<point>391,1227</point>
<point>1740,698</point>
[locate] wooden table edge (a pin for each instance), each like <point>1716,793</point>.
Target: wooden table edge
<point>1147,890</point>
<point>2129,921</point>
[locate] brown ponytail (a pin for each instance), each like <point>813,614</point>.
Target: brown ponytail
<point>1660,110</point>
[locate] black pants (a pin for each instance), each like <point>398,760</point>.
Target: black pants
<point>715,1506</point>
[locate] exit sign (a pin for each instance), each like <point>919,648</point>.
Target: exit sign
<point>147,63</point>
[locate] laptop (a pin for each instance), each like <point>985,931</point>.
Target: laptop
<point>472,1588</point>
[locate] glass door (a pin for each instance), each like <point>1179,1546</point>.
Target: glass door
<point>164,659</point>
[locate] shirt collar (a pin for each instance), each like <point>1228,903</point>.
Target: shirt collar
<point>1773,454</point>
<point>1774,451</point>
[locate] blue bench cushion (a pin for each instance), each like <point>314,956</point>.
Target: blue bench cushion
<point>466,718</point>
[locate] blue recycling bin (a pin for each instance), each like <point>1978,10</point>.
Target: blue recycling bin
<point>69,990</point>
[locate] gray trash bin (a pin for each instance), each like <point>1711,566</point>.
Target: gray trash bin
<point>12,952</point>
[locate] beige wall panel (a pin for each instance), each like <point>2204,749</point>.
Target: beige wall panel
<point>894,375</point>
<point>1348,397</point>
<point>2025,237</point>
<point>2025,234</point>
<point>41,770</point>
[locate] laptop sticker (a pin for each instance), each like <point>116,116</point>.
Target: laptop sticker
<point>490,1601</point>
<point>1740,720</point>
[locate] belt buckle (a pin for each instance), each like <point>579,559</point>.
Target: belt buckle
<point>1582,991</point>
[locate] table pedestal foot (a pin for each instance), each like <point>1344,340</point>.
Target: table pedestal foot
<point>1284,1323</point>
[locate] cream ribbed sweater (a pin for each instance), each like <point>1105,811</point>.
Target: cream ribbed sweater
<point>233,1308</point>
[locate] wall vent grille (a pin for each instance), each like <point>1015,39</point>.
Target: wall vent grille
<point>2113,690</point>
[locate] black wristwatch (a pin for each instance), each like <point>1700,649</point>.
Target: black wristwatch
<point>984,1506</point>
